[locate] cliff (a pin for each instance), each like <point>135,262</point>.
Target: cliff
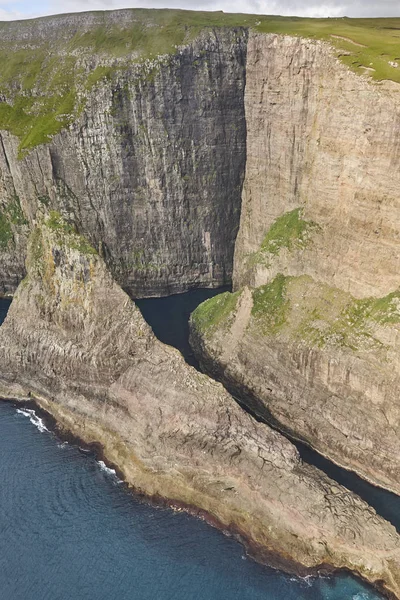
<point>145,153</point>
<point>77,344</point>
<point>155,151</point>
<point>314,343</point>
<point>323,140</point>
<point>133,125</point>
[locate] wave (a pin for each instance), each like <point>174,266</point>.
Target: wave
<point>62,444</point>
<point>308,579</point>
<point>34,418</point>
<point>109,471</point>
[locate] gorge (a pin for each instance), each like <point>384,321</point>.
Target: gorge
<point>148,153</point>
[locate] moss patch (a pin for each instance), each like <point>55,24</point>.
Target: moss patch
<point>270,305</point>
<point>288,231</point>
<point>10,215</point>
<point>67,234</point>
<point>321,315</point>
<point>354,326</point>
<point>215,312</point>
<point>99,74</point>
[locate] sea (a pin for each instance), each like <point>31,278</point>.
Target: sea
<point>71,530</point>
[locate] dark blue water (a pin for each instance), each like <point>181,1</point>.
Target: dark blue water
<point>385,503</point>
<point>70,530</point>
<point>169,317</point>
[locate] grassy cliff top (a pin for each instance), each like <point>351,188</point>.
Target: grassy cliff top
<point>47,64</point>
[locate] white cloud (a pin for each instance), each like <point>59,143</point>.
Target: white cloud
<point>301,7</point>
<point>11,15</point>
<point>305,8</point>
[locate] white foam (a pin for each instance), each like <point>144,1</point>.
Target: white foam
<point>109,471</point>
<point>34,418</point>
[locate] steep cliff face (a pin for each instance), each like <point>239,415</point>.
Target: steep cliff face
<point>151,167</point>
<point>324,139</point>
<point>141,141</point>
<point>320,219</point>
<point>75,341</point>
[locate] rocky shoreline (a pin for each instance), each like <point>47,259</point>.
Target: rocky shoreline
<point>75,343</point>
<point>253,550</point>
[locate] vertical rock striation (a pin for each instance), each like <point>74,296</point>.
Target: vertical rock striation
<point>319,246</point>
<point>152,169</point>
<point>324,139</point>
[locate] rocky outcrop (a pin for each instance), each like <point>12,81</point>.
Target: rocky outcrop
<point>318,344</point>
<point>75,342</point>
<point>314,362</point>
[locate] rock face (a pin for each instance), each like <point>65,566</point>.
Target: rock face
<point>316,363</point>
<point>320,219</point>
<point>149,168</point>
<point>151,171</point>
<point>75,342</point>
<point>325,139</point>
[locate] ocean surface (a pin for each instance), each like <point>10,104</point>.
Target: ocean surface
<point>70,530</point>
<point>169,317</point>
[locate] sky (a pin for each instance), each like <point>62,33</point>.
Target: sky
<point>22,9</point>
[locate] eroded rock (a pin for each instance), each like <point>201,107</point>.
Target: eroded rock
<point>75,342</point>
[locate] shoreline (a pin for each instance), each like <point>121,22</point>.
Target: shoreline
<point>256,552</point>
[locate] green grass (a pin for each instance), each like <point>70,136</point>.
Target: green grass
<point>288,231</point>
<point>383,311</point>
<point>322,315</point>
<point>355,324</point>
<point>10,215</point>
<point>43,79</point>
<point>214,312</point>
<point>67,234</point>
<point>40,88</point>
<point>378,39</point>
<point>99,74</point>
<point>270,305</point>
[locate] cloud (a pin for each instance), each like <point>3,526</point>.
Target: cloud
<point>304,8</point>
<point>18,9</point>
<point>309,8</point>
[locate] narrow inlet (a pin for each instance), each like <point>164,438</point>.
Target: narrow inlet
<point>169,319</point>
